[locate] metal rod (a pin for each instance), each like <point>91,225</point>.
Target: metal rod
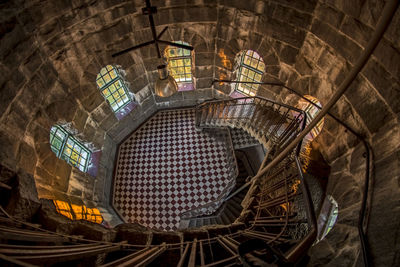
<point>388,12</point>
<point>182,259</point>
<point>188,47</point>
<point>162,32</point>
<point>132,48</point>
<point>192,258</point>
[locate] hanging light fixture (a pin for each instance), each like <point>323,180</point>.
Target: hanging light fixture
<point>165,84</point>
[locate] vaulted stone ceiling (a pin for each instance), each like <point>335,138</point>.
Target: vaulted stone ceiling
<point>51,52</point>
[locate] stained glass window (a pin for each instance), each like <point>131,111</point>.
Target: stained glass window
<point>251,69</point>
<point>66,147</point>
<point>179,63</point>
<point>113,88</point>
<point>78,212</point>
<point>311,112</point>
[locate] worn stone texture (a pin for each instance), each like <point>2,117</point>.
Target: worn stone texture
<point>51,52</point>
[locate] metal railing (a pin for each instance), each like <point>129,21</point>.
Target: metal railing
<point>272,123</point>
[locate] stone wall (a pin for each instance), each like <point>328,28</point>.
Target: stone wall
<point>51,52</point>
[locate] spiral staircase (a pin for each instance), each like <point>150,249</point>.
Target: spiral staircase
<point>267,218</point>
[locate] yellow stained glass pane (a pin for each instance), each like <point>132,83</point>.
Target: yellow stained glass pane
<point>186,52</point>
<point>117,84</point>
<point>115,95</point>
<point>257,77</point>
<point>188,77</point>
<point>254,63</point>
<point>173,63</point>
<point>261,66</point>
<point>109,67</point>
<point>74,157</point>
<point>100,82</point>
<point>110,99</point>
<point>107,78</point>
<point>112,88</point>
<point>103,71</point>
<point>180,70</point>
<point>114,106</point>
<point>187,70</point>
<point>251,74</point>
<point>179,62</point>
<point>247,60</point>
<point>113,74</point>
<point>67,151</point>
<point>121,91</point>
<point>106,92</point>
<point>187,61</point>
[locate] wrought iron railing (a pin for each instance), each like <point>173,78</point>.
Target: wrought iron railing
<point>273,124</point>
<point>278,211</point>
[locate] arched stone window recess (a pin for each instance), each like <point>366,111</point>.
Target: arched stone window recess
<point>250,68</point>
<point>115,91</point>
<point>68,148</point>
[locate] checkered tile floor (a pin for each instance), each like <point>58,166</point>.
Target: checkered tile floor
<point>167,167</point>
<point>242,139</point>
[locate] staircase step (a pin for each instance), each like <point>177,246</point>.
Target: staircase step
<point>235,209</point>
<point>224,218</point>
<point>192,223</point>
<point>231,216</point>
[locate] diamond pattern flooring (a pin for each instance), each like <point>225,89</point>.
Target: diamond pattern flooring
<point>167,167</point>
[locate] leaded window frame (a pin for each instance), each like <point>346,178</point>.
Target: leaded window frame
<point>183,59</point>
<point>250,72</point>
<point>113,88</point>
<point>68,148</point>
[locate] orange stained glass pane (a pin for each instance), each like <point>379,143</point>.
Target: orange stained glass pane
<point>63,208</point>
<point>79,211</point>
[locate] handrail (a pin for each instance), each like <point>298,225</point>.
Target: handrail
<point>248,97</point>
